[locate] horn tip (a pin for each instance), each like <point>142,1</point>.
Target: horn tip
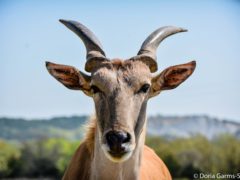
<point>63,21</point>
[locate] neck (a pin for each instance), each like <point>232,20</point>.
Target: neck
<point>103,168</point>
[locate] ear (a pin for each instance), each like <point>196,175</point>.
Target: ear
<point>70,77</point>
<point>172,77</point>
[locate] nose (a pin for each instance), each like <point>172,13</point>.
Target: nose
<point>116,141</point>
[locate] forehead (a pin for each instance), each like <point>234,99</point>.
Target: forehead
<point>130,72</point>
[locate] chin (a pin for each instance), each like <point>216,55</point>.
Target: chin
<point>116,158</point>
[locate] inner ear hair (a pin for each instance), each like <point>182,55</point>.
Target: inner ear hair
<point>69,76</point>
<point>173,76</point>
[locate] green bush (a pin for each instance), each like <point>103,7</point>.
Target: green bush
<point>8,151</point>
<point>42,158</point>
<point>184,157</point>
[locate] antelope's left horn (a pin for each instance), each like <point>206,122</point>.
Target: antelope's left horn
<point>147,53</point>
<point>95,53</point>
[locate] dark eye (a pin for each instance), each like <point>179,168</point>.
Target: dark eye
<point>144,88</point>
<point>95,89</point>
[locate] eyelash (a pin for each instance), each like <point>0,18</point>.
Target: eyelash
<point>144,88</point>
<point>95,89</point>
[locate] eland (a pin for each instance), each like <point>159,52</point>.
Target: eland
<point>113,148</point>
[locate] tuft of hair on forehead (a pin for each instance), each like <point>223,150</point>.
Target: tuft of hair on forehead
<point>117,63</point>
<point>127,64</point>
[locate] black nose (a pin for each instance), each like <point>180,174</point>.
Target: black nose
<point>116,140</point>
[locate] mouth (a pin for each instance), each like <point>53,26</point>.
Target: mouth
<point>116,157</point>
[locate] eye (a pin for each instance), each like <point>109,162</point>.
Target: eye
<point>144,88</point>
<point>95,89</point>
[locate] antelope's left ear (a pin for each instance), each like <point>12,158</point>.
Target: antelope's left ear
<point>172,77</point>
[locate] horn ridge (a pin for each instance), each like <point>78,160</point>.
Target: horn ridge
<point>147,52</point>
<point>155,38</point>
<point>93,46</point>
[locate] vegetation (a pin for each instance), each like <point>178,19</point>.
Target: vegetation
<point>41,158</point>
<point>184,157</point>
<point>25,130</point>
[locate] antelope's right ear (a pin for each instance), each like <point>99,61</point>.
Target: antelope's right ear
<point>70,77</point>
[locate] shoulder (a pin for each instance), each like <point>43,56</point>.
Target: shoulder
<point>79,166</point>
<point>152,167</point>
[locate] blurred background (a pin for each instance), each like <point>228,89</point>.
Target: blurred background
<point>194,128</point>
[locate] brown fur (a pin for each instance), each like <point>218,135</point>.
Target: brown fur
<point>79,167</point>
<point>152,167</point>
<point>117,63</point>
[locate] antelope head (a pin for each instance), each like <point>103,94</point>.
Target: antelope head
<point>119,88</point>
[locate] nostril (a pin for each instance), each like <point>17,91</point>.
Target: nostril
<point>111,138</point>
<point>126,138</point>
<point>117,137</point>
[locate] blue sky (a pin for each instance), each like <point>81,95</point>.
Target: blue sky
<point>30,34</point>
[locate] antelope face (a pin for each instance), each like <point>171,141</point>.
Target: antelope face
<point>120,89</point>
